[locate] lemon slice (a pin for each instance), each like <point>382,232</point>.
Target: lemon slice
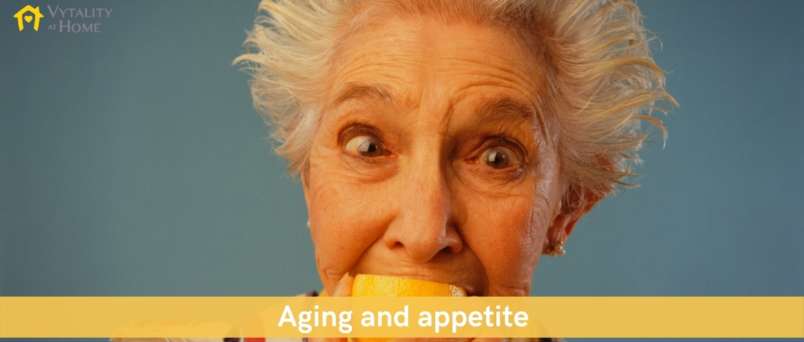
<point>370,285</point>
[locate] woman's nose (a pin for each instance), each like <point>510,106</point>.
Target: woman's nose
<point>424,226</point>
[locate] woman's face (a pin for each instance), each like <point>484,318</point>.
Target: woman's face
<point>430,161</point>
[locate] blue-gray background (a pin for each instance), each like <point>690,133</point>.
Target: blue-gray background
<point>132,162</point>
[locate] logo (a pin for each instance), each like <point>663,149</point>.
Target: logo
<point>28,14</point>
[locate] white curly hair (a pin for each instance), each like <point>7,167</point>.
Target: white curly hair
<point>602,81</point>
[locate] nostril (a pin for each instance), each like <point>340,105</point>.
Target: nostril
<point>453,241</point>
<point>453,248</point>
<point>450,250</point>
<point>396,244</point>
<point>424,249</point>
<point>423,237</point>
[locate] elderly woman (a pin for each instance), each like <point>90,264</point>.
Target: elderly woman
<point>453,141</point>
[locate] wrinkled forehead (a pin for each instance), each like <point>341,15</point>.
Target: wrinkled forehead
<point>417,48</point>
<point>418,59</point>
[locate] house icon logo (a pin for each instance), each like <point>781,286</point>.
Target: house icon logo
<point>27,14</point>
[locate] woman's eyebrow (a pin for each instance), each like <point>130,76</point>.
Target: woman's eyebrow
<point>504,107</point>
<point>511,111</point>
<point>497,108</point>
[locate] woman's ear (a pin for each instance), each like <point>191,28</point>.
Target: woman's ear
<point>574,205</point>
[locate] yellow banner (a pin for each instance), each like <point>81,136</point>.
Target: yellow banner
<point>726,317</point>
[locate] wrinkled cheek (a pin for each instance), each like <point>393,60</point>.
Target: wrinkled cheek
<point>511,252</point>
<point>342,225</point>
<point>331,256</point>
<point>328,227</point>
<point>511,276</point>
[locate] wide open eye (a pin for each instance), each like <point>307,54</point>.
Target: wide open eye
<point>499,157</point>
<point>365,146</point>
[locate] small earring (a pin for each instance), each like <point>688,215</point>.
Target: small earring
<point>555,249</point>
